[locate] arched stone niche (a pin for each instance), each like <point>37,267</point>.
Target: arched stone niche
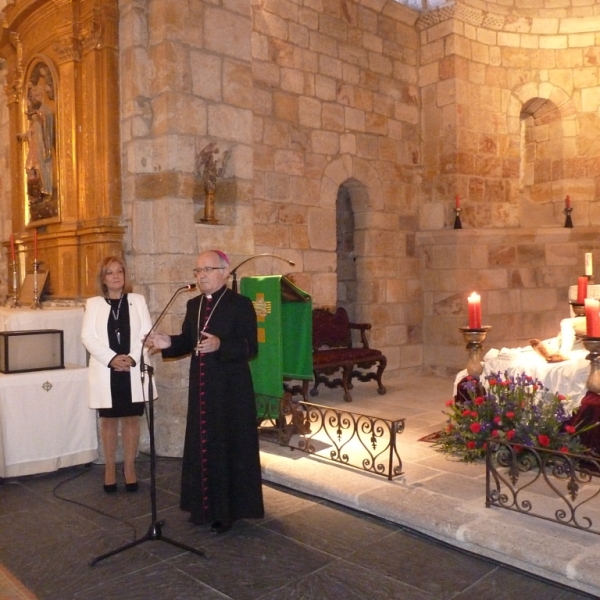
<point>61,65</point>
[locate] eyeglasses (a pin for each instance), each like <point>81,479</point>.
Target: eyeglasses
<point>205,269</point>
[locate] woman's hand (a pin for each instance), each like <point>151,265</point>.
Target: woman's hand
<point>121,362</point>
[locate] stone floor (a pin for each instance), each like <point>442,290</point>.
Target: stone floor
<point>330,533</point>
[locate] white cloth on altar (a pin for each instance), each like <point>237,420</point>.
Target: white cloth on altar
<point>45,422</point>
<point>567,378</point>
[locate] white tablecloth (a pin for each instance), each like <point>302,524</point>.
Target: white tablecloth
<point>68,319</point>
<point>568,378</point>
<point>45,422</point>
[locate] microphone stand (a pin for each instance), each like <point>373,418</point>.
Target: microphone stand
<point>154,532</point>
<point>233,272</point>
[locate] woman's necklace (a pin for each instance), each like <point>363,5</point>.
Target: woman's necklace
<point>197,351</point>
<point>115,315</point>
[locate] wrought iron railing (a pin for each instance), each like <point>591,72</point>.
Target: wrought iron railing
<point>351,439</point>
<point>551,485</point>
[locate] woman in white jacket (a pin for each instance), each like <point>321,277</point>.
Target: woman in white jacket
<point>114,325</point>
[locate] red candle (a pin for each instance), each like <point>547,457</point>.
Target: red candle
<point>457,200</point>
<point>568,202</point>
<point>35,244</point>
<point>474,311</point>
<point>582,283</point>
<point>592,317</point>
<point>12,247</point>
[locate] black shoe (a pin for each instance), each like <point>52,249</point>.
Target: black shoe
<point>131,487</point>
<point>110,488</point>
<point>218,527</point>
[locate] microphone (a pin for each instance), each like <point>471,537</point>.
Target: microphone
<point>187,288</point>
<point>233,272</point>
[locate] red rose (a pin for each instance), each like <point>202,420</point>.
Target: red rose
<point>495,433</point>
<point>474,414</point>
<point>504,383</point>
<point>564,450</point>
<point>475,427</point>
<point>493,382</point>
<point>510,434</point>
<point>479,400</point>
<point>510,414</point>
<point>471,445</point>
<point>570,429</point>
<point>450,402</point>
<point>543,440</point>
<point>497,419</point>
<point>560,397</point>
<point>466,413</point>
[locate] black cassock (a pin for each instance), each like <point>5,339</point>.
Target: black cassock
<point>221,476</point>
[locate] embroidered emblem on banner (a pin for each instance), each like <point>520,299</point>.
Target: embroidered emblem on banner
<point>47,386</point>
<point>262,307</point>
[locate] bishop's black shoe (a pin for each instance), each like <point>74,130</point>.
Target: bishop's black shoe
<point>218,527</point>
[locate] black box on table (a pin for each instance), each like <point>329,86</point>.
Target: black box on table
<point>34,350</point>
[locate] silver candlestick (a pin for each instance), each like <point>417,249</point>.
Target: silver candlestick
<point>592,345</point>
<point>15,287</point>
<point>36,292</point>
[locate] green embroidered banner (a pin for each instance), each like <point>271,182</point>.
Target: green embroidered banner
<point>284,319</point>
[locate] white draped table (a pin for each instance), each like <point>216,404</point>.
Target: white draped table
<point>69,319</point>
<point>45,422</point>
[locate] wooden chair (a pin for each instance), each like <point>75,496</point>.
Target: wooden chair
<point>333,352</point>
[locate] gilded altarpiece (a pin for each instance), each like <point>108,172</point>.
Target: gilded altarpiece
<point>63,102</point>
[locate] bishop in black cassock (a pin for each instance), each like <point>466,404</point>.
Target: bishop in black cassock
<point>221,476</point>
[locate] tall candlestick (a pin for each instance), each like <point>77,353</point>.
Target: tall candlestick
<point>589,271</point>
<point>457,201</point>
<point>568,202</point>
<point>582,283</point>
<point>12,247</point>
<point>474,311</point>
<point>592,317</point>
<point>35,244</point>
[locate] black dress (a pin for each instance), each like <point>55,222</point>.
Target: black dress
<point>119,338</point>
<point>221,475</point>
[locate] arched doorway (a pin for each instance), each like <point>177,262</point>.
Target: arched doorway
<point>351,195</point>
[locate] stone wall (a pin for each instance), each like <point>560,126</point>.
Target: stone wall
<point>510,118</point>
<point>337,104</point>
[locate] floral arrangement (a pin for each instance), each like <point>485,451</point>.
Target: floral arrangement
<point>517,409</point>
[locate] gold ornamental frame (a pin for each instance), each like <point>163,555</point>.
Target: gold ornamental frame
<point>61,61</point>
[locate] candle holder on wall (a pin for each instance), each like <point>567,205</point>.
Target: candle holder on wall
<point>15,286</point>
<point>36,291</point>
<point>568,220</point>
<point>592,345</point>
<point>475,339</point>
<point>457,223</point>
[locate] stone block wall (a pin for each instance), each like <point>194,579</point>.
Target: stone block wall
<point>337,107</point>
<point>510,114</point>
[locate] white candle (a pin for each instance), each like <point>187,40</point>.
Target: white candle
<point>589,271</point>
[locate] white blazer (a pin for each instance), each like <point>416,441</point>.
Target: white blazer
<point>95,338</point>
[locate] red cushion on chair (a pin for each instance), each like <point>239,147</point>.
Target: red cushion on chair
<point>342,355</point>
